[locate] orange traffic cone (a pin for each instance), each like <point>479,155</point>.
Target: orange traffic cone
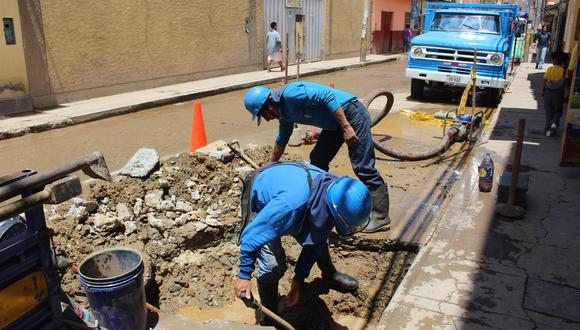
<point>198,138</point>
<point>332,85</point>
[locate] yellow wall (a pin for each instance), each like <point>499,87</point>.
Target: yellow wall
<point>13,79</point>
<point>344,22</point>
<point>104,47</point>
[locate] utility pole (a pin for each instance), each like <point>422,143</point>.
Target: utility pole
<point>364,32</point>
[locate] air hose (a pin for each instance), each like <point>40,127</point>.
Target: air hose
<point>452,134</point>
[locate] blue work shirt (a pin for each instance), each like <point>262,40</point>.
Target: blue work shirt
<point>281,196</point>
<point>309,104</point>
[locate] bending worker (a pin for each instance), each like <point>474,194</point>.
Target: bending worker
<point>301,200</point>
<point>342,117</point>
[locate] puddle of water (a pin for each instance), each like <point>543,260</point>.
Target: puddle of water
<point>236,311</point>
<point>353,323</point>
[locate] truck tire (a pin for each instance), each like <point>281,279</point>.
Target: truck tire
<point>493,96</point>
<point>417,87</point>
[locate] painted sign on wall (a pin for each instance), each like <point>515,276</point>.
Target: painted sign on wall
<point>294,3</point>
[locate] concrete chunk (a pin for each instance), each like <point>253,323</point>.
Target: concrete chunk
<point>218,150</point>
<point>143,162</point>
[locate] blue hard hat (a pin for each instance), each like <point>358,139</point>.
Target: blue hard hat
<point>350,204</point>
<point>255,99</point>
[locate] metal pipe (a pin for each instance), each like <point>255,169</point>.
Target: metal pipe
<point>54,193</point>
<point>473,92</point>
<point>93,165</point>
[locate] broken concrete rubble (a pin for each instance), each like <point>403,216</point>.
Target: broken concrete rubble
<point>143,162</point>
<point>106,222</point>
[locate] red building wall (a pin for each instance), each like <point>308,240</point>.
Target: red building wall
<point>388,38</point>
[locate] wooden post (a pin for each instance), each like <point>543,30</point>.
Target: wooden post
<point>286,61</point>
<point>297,65</point>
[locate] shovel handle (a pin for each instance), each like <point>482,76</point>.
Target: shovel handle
<point>251,303</point>
<point>254,304</point>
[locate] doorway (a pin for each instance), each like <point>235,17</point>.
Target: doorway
<point>386,31</point>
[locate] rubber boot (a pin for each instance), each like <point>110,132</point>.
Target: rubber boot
<point>380,215</point>
<point>339,281</point>
<point>268,292</point>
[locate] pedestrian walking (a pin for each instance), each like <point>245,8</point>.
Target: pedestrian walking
<point>407,35</point>
<point>543,45</point>
<point>274,46</point>
<point>342,117</point>
<point>300,200</point>
<point>553,93</point>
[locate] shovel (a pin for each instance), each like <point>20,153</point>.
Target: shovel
<point>240,152</point>
<point>254,304</point>
<point>510,210</point>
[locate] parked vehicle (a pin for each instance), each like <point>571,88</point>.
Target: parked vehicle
<point>519,28</point>
<point>454,34</point>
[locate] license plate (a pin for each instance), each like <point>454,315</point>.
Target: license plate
<point>453,79</point>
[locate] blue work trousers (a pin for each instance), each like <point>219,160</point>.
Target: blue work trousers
<point>362,157</point>
<point>271,262</point>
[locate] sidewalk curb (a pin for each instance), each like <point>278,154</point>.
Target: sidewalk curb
<point>70,121</point>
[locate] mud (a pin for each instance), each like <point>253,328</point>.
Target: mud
<point>191,263</point>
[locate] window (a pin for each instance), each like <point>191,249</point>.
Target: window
<point>465,23</point>
<point>9,31</point>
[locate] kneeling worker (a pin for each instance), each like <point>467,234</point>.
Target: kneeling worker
<point>301,200</point>
<point>342,117</point>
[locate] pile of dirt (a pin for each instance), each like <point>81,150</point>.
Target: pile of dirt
<point>184,219</point>
<point>177,218</point>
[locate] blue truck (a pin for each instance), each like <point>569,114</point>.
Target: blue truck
<point>454,34</point>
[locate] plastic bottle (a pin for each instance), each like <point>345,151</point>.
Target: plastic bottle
<point>486,174</point>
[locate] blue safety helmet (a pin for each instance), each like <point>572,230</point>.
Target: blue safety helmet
<point>255,99</point>
<point>350,204</point>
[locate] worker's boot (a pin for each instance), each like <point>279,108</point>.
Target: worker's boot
<point>268,292</point>
<point>339,281</point>
<point>380,215</point>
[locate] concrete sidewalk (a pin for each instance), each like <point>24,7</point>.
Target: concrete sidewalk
<point>480,270</point>
<point>88,110</point>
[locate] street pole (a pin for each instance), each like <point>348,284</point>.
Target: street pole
<point>364,32</point>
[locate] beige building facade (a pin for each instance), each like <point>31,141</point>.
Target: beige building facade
<point>71,50</point>
<point>14,90</point>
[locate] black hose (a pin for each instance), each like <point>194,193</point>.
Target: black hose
<point>446,141</point>
<point>375,119</point>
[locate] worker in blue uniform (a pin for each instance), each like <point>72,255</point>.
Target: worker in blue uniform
<point>298,199</point>
<point>342,117</point>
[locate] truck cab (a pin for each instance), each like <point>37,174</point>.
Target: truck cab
<point>456,36</point>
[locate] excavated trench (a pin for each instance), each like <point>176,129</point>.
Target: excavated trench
<point>184,220</point>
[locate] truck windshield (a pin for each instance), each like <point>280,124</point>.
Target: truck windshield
<point>465,23</point>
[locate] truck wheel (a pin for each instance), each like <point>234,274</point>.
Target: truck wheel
<point>493,96</point>
<point>417,87</point>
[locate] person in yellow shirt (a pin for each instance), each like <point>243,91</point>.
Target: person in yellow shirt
<point>553,93</point>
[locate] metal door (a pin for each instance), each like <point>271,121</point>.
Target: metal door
<point>313,30</point>
<point>313,11</point>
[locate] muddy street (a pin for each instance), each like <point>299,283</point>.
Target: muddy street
<point>184,218</point>
<point>168,129</point>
